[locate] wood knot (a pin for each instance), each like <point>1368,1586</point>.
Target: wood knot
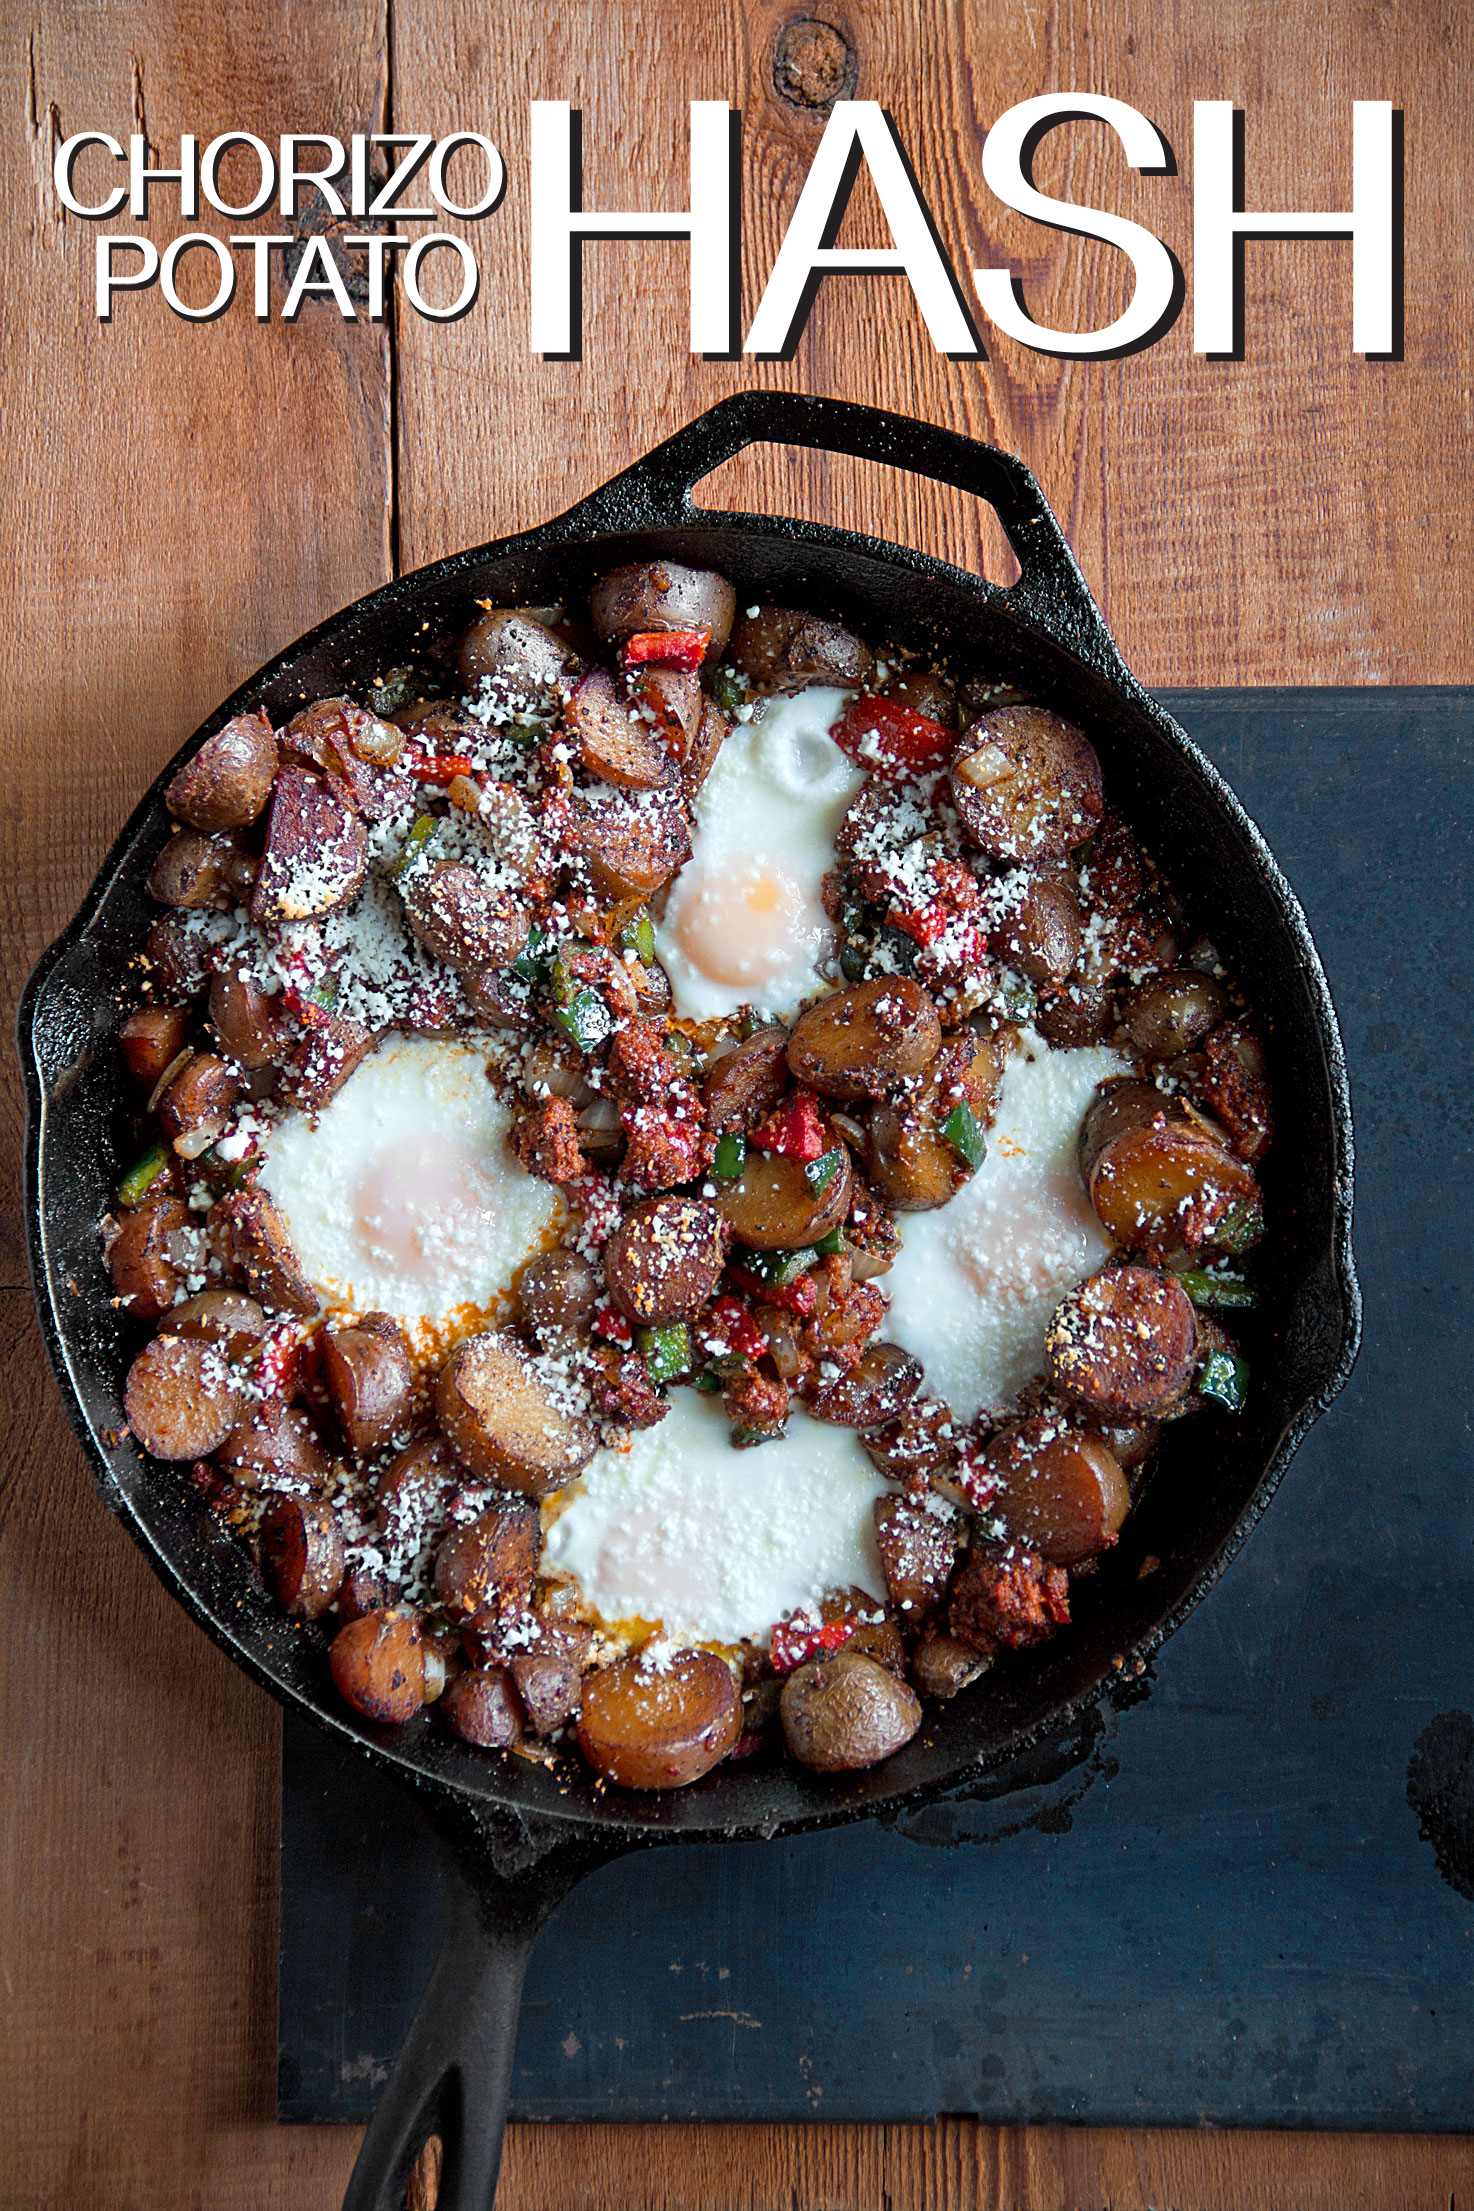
<point>813,64</point>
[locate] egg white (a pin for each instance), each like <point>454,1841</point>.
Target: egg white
<point>744,922</point>
<point>715,1544</point>
<point>975,1282</point>
<point>402,1194</point>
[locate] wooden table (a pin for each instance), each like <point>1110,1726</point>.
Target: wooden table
<point>190,497</point>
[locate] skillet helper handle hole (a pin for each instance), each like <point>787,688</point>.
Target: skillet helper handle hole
<point>1050,593</point>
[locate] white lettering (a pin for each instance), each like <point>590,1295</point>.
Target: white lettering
<point>1007,151</point>
<point>292,175</point>
<point>109,280</point>
<point>209,169</point>
<point>859,130</point>
<point>559,224</point>
<point>186,176</point>
<point>174,253</point>
<point>61,170</point>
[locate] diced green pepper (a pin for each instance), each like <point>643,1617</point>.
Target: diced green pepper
<point>392,692</point>
<point>1017,997</point>
<point>963,1133</point>
<point>139,1180</point>
<point>830,1246</point>
<point>728,688</point>
<point>708,1383</point>
<point>638,936</point>
<point>1224,1290</point>
<point>1240,1228</point>
<point>819,1173</point>
<point>666,1351</point>
<point>853,961</point>
<point>531,962</point>
<point>415,843</point>
<point>585,1020</point>
<point>1224,1377</point>
<point>777,1269</point>
<point>745,1439</point>
<point>731,1156</point>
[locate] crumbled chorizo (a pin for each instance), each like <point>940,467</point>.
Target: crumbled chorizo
<point>546,1142</point>
<point>1008,1603</point>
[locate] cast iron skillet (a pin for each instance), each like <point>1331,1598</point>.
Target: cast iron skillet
<point>516,1835</point>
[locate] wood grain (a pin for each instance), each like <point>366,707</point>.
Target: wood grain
<point>187,499</point>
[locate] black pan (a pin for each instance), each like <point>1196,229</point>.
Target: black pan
<point>518,1836</point>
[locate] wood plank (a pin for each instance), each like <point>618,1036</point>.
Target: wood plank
<point>182,501</point>
<point>192,496</point>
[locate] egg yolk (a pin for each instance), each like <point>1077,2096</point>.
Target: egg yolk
<point>415,1202</point>
<point>745,929</point>
<point>1028,1238</point>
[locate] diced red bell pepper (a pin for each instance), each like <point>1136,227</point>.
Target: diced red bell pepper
<point>925,923</point>
<point>890,739</point>
<point>795,1128</point>
<point>797,1640</point>
<point>800,1297</point>
<point>285,1362</point>
<point>612,1324</point>
<point>673,648</point>
<point>434,767</point>
<point>729,1327</point>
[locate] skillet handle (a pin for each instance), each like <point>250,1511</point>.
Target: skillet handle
<point>453,2075</point>
<point>1051,594</point>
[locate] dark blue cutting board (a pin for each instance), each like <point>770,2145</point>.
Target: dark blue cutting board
<point>1244,1893</point>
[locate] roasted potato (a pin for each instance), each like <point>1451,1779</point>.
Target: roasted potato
<point>846,1712</point>
<point>499,1413</point>
<point>659,1727</point>
<point>227,783</point>
<point>859,1041</point>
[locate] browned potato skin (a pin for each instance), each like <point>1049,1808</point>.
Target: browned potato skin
<point>925,692</point>
<point>196,871</point>
<point>921,1442</point>
<point>1130,1443</point>
<point>858,1041</point>
<point>846,1712</point>
<point>918,1549</point>
<point>1048,794</point>
<point>712,732</point>
<point>1144,1177</point>
<point>1127,1102</point>
<point>273,1441</point>
<point>368,1379</point>
<point>941,1666</point>
<point>663,595</point>
<point>227,783</point>
<point>874,1632</point>
<point>644,1729</point>
<point>302,1552</point>
<point>457,915</point>
<point>512,644</point>
<point>378,1664</point>
<point>772,1207</point>
<point>783,649</point>
<point>251,1237</point>
<point>247,1021</point>
<point>181,1398</point>
<point>1078,1012</point>
<point>747,1083</point>
<point>550,1688</point>
<point>148,1255</point>
<point>558,1290</point>
<point>1173,1012</point>
<point>224,1317</point>
<point>361,1592</point>
<point>151,1040</point>
<point>177,960</point>
<point>483,1708</point>
<point>665,1259</point>
<point>613,742</point>
<point>199,1098</point>
<point>1063,1495</point>
<point>1123,1344</point>
<point>488,1566</point>
<point>872,1393</point>
<point>1041,936</point>
<point>414,1489</point>
<point>496,1413</point>
<point>631,851</point>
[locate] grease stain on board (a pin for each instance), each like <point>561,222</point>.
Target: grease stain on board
<point>1440,1789</point>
